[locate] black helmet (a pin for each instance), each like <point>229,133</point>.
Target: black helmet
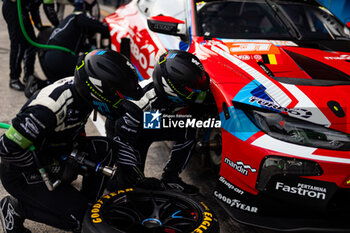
<point>180,76</point>
<point>104,78</point>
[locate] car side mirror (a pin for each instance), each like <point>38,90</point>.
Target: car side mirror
<point>167,25</point>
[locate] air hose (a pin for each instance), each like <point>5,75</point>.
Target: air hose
<point>4,126</point>
<point>42,46</point>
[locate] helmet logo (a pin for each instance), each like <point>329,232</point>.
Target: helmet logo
<point>175,90</point>
<point>115,105</point>
<point>171,56</point>
<point>98,52</point>
<point>167,88</point>
<point>130,65</point>
<point>82,64</point>
<point>97,83</point>
<point>96,94</point>
<point>101,107</point>
<point>167,56</point>
<point>197,63</point>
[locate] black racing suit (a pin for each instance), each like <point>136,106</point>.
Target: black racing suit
<point>128,131</point>
<point>53,120</point>
<point>71,33</point>
<point>20,48</point>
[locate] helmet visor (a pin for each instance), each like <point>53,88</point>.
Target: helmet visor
<point>184,93</point>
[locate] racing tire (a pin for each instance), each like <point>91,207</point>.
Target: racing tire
<point>140,210</point>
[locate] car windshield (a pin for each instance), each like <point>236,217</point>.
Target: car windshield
<point>259,19</point>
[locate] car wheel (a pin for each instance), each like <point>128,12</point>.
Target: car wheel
<point>139,210</point>
<point>209,148</point>
<point>215,147</point>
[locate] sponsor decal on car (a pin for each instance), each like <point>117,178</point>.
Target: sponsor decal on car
<point>274,42</point>
<point>248,57</point>
<point>272,59</point>
<point>274,91</point>
<point>240,166</point>
<point>235,203</point>
<point>271,105</point>
<point>230,186</point>
<point>252,48</point>
<point>304,190</point>
<point>341,57</point>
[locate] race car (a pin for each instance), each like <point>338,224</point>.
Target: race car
<point>280,77</point>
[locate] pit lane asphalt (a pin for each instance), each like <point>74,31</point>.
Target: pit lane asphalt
<point>11,101</point>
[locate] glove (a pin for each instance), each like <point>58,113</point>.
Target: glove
<point>151,183</point>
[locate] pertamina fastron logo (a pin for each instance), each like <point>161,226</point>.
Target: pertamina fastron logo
<point>157,120</point>
<point>304,190</point>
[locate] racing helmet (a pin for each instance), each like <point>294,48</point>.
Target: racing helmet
<point>89,7</point>
<point>180,77</point>
<point>104,78</point>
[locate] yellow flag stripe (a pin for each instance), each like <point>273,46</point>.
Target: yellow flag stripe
<point>272,59</point>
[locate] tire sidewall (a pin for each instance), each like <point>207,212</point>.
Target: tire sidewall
<point>95,223</point>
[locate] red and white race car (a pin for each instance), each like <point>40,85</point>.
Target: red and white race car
<point>280,76</point>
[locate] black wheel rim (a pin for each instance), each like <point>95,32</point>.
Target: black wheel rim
<point>152,213</point>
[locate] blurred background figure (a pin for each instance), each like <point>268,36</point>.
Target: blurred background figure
<point>77,33</point>
<point>90,6</point>
<point>20,48</point>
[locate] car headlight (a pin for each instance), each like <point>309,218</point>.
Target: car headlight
<point>277,165</point>
<point>297,131</point>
